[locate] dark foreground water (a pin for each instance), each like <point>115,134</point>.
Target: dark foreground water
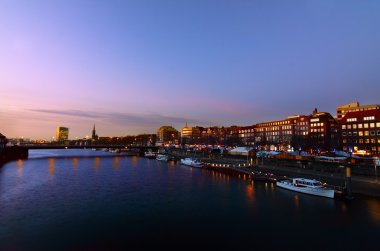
<point>130,203</point>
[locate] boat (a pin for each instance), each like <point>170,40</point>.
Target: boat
<point>191,162</point>
<point>150,155</point>
<point>308,186</point>
<point>162,157</point>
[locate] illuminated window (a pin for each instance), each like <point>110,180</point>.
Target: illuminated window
<point>351,119</point>
<point>366,133</point>
<point>344,141</point>
<point>367,141</point>
<point>354,126</point>
<point>378,124</point>
<point>373,141</point>
<point>369,118</point>
<point>360,125</point>
<point>365,125</point>
<point>348,126</point>
<point>343,126</point>
<point>360,141</point>
<point>372,125</point>
<point>360,133</point>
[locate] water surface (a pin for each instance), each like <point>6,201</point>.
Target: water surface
<point>114,203</point>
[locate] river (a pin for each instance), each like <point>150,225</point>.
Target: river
<point>91,200</point>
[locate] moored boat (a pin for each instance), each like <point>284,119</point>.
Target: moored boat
<point>162,157</point>
<point>191,162</point>
<point>308,186</point>
<point>150,155</point>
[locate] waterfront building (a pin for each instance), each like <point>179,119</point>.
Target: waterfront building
<point>94,136</point>
<point>353,107</point>
<point>323,134</point>
<point>246,135</point>
<point>360,132</point>
<point>215,135</point>
<point>167,135</point>
<point>301,138</point>
<point>276,135</point>
<point>62,133</point>
<point>191,134</point>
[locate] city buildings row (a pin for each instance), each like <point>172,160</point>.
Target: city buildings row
<point>355,128</point>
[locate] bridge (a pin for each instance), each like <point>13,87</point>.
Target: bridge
<point>135,148</point>
<point>22,152</point>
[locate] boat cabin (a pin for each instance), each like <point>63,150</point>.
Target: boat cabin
<point>300,182</point>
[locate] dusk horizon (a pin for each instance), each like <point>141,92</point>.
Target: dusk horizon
<point>131,67</point>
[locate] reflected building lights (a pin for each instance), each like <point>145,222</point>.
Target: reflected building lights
<point>374,209</point>
<point>20,168</point>
<point>134,161</point>
<point>51,166</point>
<point>96,163</point>
<point>296,201</point>
<point>250,192</point>
<point>75,162</point>
<point>116,163</point>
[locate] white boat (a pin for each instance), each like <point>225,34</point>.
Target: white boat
<point>150,155</point>
<point>162,157</point>
<point>191,162</point>
<point>307,186</point>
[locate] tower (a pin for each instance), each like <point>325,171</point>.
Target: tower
<point>62,133</point>
<point>94,136</point>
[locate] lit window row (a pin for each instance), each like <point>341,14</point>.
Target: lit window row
<point>365,125</point>
<point>316,124</point>
<point>361,133</point>
<point>352,119</point>
<point>369,118</point>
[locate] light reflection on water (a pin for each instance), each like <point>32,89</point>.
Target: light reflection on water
<point>51,166</point>
<point>75,162</point>
<point>96,163</point>
<point>140,199</point>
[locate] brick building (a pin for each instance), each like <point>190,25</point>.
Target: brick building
<point>323,134</point>
<point>360,132</point>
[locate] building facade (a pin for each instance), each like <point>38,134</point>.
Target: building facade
<point>246,135</point>
<point>323,135</point>
<point>276,135</point>
<point>191,135</point>
<point>360,132</point>
<point>62,134</point>
<point>167,135</point>
<point>353,107</point>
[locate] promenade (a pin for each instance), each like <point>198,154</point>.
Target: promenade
<point>362,185</point>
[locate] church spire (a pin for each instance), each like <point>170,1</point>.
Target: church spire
<point>94,136</point>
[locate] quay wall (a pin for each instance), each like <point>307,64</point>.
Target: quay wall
<point>13,153</point>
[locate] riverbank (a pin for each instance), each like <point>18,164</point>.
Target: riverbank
<point>13,153</point>
<point>361,185</point>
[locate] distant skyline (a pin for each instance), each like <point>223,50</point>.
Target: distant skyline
<point>133,66</point>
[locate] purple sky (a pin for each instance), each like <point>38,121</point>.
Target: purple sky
<point>132,66</point>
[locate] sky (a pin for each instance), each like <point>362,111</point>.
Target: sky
<point>132,66</point>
